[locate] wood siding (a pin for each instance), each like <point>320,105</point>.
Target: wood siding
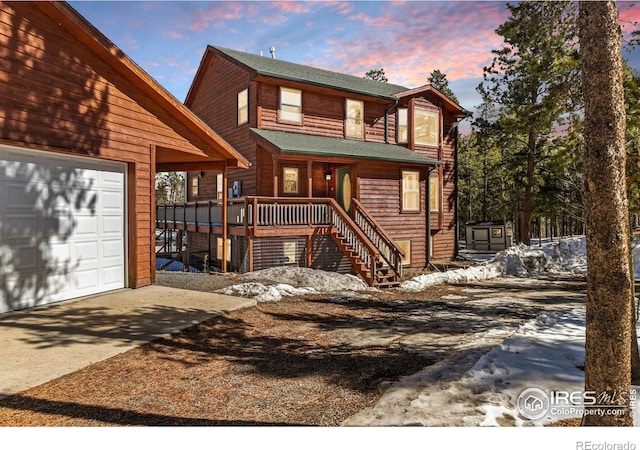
<point>380,193</point>
<point>323,115</point>
<point>215,101</point>
<point>58,96</point>
<point>378,184</point>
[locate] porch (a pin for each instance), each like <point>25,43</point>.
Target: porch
<point>369,249</point>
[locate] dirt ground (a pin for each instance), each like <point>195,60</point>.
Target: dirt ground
<point>313,360</point>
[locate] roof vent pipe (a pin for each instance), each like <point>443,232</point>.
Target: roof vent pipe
<point>273,52</point>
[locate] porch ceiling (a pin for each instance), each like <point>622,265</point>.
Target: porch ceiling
<point>319,147</point>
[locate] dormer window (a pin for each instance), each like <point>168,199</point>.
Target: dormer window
<point>354,120</point>
<point>425,127</point>
<point>290,105</point>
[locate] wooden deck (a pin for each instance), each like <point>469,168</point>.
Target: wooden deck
<point>372,253</point>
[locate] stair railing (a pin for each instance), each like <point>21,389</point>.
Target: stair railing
<point>375,232</point>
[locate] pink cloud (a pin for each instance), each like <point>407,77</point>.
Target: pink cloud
<point>175,34</point>
<point>455,40</point>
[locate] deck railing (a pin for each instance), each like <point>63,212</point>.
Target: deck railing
<point>365,239</point>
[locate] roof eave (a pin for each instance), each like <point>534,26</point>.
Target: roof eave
<point>102,47</point>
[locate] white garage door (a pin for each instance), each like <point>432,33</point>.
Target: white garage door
<point>62,227</point>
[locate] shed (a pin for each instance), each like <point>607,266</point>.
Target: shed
<point>83,131</point>
<point>489,235</point>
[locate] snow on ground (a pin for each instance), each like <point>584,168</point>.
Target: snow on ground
<point>475,387</point>
<point>299,281</point>
<point>545,353</point>
<point>565,255</point>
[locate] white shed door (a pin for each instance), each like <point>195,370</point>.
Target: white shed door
<point>62,227</point>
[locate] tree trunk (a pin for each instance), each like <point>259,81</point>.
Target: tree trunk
<point>608,325</point>
<point>527,201</point>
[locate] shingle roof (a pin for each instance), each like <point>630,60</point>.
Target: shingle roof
<point>268,66</point>
<point>320,146</point>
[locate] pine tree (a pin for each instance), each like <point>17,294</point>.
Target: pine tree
<point>534,82</point>
<point>376,75</point>
<point>438,80</point>
<point>609,290</point>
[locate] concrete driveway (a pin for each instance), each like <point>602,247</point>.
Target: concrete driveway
<point>44,343</point>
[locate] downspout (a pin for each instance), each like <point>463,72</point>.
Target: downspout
<point>455,190</point>
<point>386,120</point>
<point>428,208</point>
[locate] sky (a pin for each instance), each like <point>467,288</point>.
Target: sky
<point>408,39</point>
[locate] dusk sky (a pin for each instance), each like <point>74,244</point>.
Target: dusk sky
<point>408,39</point>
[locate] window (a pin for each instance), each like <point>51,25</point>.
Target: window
<point>243,107</point>
<point>290,105</point>
<point>290,180</point>
<point>194,185</point>
<point>410,191</point>
<point>405,246</point>
<point>425,128</point>
<point>403,126</point>
<point>354,123</point>
<point>290,251</point>
<point>434,192</point>
<point>227,249</point>
<point>219,186</point>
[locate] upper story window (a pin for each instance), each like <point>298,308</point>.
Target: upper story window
<point>290,105</point>
<point>403,126</point>
<point>243,107</point>
<point>354,123</point>
<point>425,127</point>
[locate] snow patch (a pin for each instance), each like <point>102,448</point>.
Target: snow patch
<point>568,255</point>
<point>544,353</point>
<point>267,285</point>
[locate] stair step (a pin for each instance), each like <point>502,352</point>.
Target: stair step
<point>388,284</point>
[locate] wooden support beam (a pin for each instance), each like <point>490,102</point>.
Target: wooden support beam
<point>275,175</point>
<point>250,239</point>
<point>309,250</point>
<point>309,178</point>
<point>225,219</point>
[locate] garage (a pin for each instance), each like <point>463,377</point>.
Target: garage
<point>62,227</point>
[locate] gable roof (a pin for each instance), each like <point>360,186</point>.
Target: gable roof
<point>320,146</point>
<point>209,146</point>
<point>277,68</point>
<point>285,70</point>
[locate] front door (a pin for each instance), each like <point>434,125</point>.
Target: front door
<point>343,188</point>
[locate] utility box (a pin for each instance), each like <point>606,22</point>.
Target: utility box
<point>489,236</point>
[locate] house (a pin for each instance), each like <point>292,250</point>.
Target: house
<point>83,131</point>
<point>346,173</point>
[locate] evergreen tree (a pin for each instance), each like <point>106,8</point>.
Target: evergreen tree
<point>533,81</point>
<point>439,81</point>
<point>376,75</point>
<point>169,188</point>
<point>609,321</point>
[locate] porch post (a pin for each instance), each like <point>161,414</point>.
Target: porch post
<point>310,178</point>
<point>275,175</point>
<point>309,252</point>
<point>225,212</point>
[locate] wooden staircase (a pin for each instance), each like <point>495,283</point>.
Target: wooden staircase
<point>379,265</point>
